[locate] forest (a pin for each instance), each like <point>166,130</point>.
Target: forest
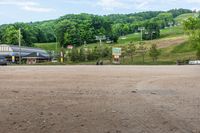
<point>78,29</point>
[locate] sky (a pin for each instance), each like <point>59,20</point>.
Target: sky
<point>38,10</point>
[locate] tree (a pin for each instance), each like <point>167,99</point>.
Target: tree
<point>152,31</point>
<point>131,51</point>
<point>142,51</point>
<point>154,52</point>
<point>75,55</point>
<point>82,54</point>
<point>10,35</point>
<point>192,26</point>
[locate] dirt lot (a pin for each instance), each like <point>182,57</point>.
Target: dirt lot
<point>92,99</point>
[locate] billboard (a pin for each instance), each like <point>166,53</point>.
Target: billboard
<point>116,51</point>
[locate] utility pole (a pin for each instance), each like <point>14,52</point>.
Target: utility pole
<point>100,38</point>
<point>141,29</point>
<point>20,58</point>
<point>56,45</point>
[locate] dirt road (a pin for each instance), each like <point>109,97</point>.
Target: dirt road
<point>92,99</point>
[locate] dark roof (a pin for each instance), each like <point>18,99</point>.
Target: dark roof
<point>24,51</point>
<point>35,55</point>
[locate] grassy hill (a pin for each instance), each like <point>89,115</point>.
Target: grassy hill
<point>183,17</point>
<point>46,46</point>
<point>173,44</point>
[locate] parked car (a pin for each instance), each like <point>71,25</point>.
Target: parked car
<point>3,61</point>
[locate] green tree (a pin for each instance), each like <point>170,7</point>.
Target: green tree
<point>192,26</point>
<point>10,35</point>
<point>154,52</point>
<point>142,51</point>
<point>131,51</point>
<point>75,55</point>
<point>82,54</point>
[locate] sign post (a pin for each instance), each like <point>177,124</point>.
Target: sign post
<point>141,29</point>
<point>116,53</point>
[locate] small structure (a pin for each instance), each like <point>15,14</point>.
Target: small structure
<point>34,58</point>
<point>116,53</point>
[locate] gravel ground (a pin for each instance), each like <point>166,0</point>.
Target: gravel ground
<point>100,99</point>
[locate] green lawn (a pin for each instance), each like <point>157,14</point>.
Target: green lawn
<point>46,46</point>
<point>172,32</point>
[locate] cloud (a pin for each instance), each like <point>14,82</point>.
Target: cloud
<point>26,5</point>
<point>112,4</point>
<point>36,9</point>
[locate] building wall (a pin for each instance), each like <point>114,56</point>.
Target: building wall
<point>5,48</point>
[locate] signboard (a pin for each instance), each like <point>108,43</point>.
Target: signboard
<point>116,51</point>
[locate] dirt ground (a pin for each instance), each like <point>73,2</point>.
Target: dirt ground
<point>100,99</point>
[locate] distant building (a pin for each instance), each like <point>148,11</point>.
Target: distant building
<point>27,53</point>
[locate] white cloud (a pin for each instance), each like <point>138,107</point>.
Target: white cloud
<point>26,5</point>
<point>36,9</point>
<point>112,4</point>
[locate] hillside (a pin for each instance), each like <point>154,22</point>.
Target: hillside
<point>183,17</point>
<point>173,45</point>
<point>75,29</point>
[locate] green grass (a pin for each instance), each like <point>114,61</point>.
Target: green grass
<point>172,32</point>
<point>46,46</point>
<point>183,48</point>
<point>164,33</point>
<point>130,38</point>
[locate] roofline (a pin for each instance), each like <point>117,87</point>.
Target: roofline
<point>22,46</point>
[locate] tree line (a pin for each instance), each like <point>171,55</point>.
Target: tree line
<point>104,52</point>
<point>83,28</point>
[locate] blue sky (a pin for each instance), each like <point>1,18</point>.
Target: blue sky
<point>37,10</point>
